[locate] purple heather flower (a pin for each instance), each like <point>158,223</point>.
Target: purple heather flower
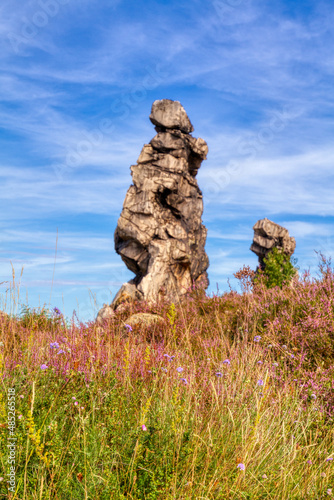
<point>129,327</point>
<point>313,396</point>
<point>170,358</point>
<point>144,427</point>
<point>219,374</point>
<point>260,382</point>
<point>179,369</point>
<point>74,398</point>
<point>57,311</point>
<point>61,352</point>
<point>241,466</point>
<point>260,362</point>
<point>275,364</point>
<point>54,345</point>
<point>184,380</point>
<point>291,356</point>
<point>257,338</point>
<point>284,347</point>
<point>329,459</point>
<point>43,366</point>
<point>227,362</point>
<point>164,370</point>
<point>309,462</point>
<point>76,403</point>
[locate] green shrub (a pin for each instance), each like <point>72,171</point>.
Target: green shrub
<point>279,269</point>
<point>40,318</point>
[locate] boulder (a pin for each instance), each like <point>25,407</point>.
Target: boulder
<point>143,320</point>
<point>170,115</point>
<point>106,313</point>
<point>127,293</point>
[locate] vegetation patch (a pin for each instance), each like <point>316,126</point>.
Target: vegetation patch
<point>232,397</point>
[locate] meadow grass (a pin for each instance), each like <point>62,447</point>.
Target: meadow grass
<point>231,397</point>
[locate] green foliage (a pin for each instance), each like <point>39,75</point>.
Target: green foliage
<point>279,269</point>
<point>39,318</point>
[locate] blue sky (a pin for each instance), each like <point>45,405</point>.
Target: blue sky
<point>78,78</point>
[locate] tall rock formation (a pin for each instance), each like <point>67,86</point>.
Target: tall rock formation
<point>160,235</point>
<point>268,235</point>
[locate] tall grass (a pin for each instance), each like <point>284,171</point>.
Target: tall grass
<point>231,397</point>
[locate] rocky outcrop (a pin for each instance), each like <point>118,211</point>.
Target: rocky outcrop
<point>268,235</point>
<point>160,235</point>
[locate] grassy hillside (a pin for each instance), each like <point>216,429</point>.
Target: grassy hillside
<point>231,397</point>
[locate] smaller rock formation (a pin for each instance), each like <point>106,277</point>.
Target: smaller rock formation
<point>268,235</point>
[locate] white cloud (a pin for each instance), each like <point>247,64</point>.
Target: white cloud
<point>302,229</point>
<point>229,236</point>
<point>284,184</point>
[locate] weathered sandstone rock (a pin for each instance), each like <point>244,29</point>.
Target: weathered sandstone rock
<point>170,114</point>
<point>144,320</point>
<point>106,313</point>
<point>268,235</point>
<point>160,235</point>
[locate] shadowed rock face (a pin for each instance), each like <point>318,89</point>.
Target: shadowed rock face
<point>160,235</point>
<point>268,235</point>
